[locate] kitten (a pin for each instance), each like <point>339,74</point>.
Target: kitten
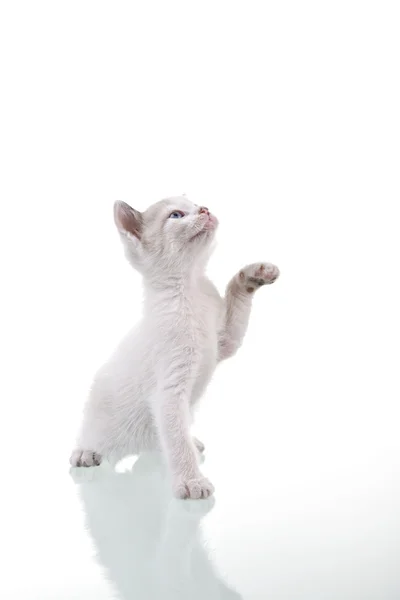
<point>143,398</point>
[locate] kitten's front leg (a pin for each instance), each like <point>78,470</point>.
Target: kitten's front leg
<point>238,300</point>
<point>171,411</point>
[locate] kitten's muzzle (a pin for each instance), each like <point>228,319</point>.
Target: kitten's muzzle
<point>211,222</point>
<point>207,223</point>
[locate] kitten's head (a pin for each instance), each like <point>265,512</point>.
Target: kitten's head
<point>172,236</point>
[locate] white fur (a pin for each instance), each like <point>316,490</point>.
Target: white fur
<point>143,397</point>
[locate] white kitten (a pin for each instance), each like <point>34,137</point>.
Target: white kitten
<point>142,398</point>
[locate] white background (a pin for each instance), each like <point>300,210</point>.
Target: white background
<point>283,118</point>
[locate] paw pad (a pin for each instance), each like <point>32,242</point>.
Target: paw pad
<point>255,276</point>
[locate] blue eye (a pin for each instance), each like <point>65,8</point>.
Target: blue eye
<point>177,214</point>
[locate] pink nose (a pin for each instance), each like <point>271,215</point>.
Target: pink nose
<point>204,209</point>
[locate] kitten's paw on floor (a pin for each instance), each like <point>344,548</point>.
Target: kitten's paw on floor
<point>85,458</point>
<point>254,276</point>
<point>193,488</point>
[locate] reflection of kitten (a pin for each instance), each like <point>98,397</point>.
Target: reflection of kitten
<point>142,398</point>
<point>148,542</point>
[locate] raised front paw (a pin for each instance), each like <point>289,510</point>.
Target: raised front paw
<point>254,276</point>
<point>195,489</point>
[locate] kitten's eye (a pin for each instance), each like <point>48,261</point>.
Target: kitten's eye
<point>177,214</point>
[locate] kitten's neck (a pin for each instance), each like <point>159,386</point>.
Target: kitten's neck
<point>171,287</point>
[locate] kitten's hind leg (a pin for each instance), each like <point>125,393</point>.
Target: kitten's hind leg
<point>95,439</point>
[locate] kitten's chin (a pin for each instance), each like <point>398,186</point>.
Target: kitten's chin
<point>203,235</point>
<point>207,231</point>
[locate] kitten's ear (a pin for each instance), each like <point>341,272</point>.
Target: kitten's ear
<point>127,219</point>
